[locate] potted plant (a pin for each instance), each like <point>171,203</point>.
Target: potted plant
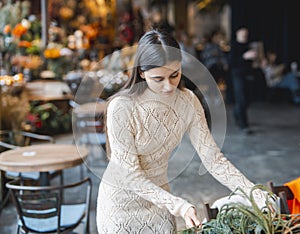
<point>238,218</point>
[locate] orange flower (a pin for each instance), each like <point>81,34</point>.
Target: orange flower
<point>66,13</point>
<point>19,30</point>
<point>33,62</point>
<point>52,53</point>
<point>25,44</point>
<point>89,31</point>
<point>7,29</point>
<point>9,80</point>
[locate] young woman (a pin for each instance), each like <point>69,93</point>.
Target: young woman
<point>145,122</point>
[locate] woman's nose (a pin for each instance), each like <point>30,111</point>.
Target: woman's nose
<point>168,85</point>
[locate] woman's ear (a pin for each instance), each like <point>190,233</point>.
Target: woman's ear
<point>142,74</point>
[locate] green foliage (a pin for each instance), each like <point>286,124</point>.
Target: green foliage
<point>59,66</point>
<point>36,50</point>
<point>237,218</point>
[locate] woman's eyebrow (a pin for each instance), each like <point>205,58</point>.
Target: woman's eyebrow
<point>176,71</point>
<point>158,76</point>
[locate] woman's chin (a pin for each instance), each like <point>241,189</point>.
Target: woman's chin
<point>167,93</point>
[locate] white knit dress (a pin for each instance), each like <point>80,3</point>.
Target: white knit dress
<point>134,195</point>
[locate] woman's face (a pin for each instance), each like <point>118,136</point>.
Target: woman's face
<point>242,35</point>
<point>163,80</point>
<point>272,57</point>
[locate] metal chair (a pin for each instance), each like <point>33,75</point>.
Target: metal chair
<point>88,128</point>
<point>12,139</point>
<point>210,213</point>
<point>41,208</point>
<point>284,193</point>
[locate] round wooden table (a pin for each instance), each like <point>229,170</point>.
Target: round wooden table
<point>46,91</point>
<point>42,158</point>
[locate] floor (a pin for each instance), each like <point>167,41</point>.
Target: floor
<point>271,153</point>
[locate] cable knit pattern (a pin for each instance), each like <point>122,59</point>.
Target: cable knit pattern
<point>134,195</point>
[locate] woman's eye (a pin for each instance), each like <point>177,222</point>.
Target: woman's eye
<point>174,75</point>
<point>158,80</point>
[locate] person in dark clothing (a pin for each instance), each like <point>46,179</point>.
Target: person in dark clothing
<point>214,58</point>
<point>241,58</point>
<point>277,76</point>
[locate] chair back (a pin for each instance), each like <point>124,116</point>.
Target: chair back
<point>39,206</point>
<point>10,139</point>
<point>88,129</point>
<point>284,193</point>
<point>41,209</point>
<point>210,213</point>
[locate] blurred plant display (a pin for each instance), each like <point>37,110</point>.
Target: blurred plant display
<point>74,33</point>
<point>14,106</point>
<point>47,119</point>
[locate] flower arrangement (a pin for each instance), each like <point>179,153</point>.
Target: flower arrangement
<point>239,218</point>
<point>90,31</point>
<point>20,43</point>
<point>12,13</point>
<point>10,80</point>
<point>58,59</point>
<point>94,18</point>
<point>47,119</point>
<point>14,110</point>
<point>76,26</point>
<point>32,62</point>
<point>14,103</point>
<point>19,30</point>
<point>52,53</point>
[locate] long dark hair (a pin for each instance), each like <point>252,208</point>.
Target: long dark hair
<point>156,48</point>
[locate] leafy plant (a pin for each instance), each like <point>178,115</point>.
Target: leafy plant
<point>237,218</point>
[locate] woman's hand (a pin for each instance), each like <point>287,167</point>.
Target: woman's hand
<point>250,55</point>
<point>191,219</point>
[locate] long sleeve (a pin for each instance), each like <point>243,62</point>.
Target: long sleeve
<point>214,161</point>
<point>125,167</point>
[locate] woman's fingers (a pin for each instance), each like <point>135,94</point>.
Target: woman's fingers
<point>189,223</point>
<point>191,219</point>
<point>196,221</point>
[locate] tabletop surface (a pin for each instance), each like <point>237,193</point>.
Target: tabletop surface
<point>90,108</point>
<point>48,91</point>
<point>42,157</point>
